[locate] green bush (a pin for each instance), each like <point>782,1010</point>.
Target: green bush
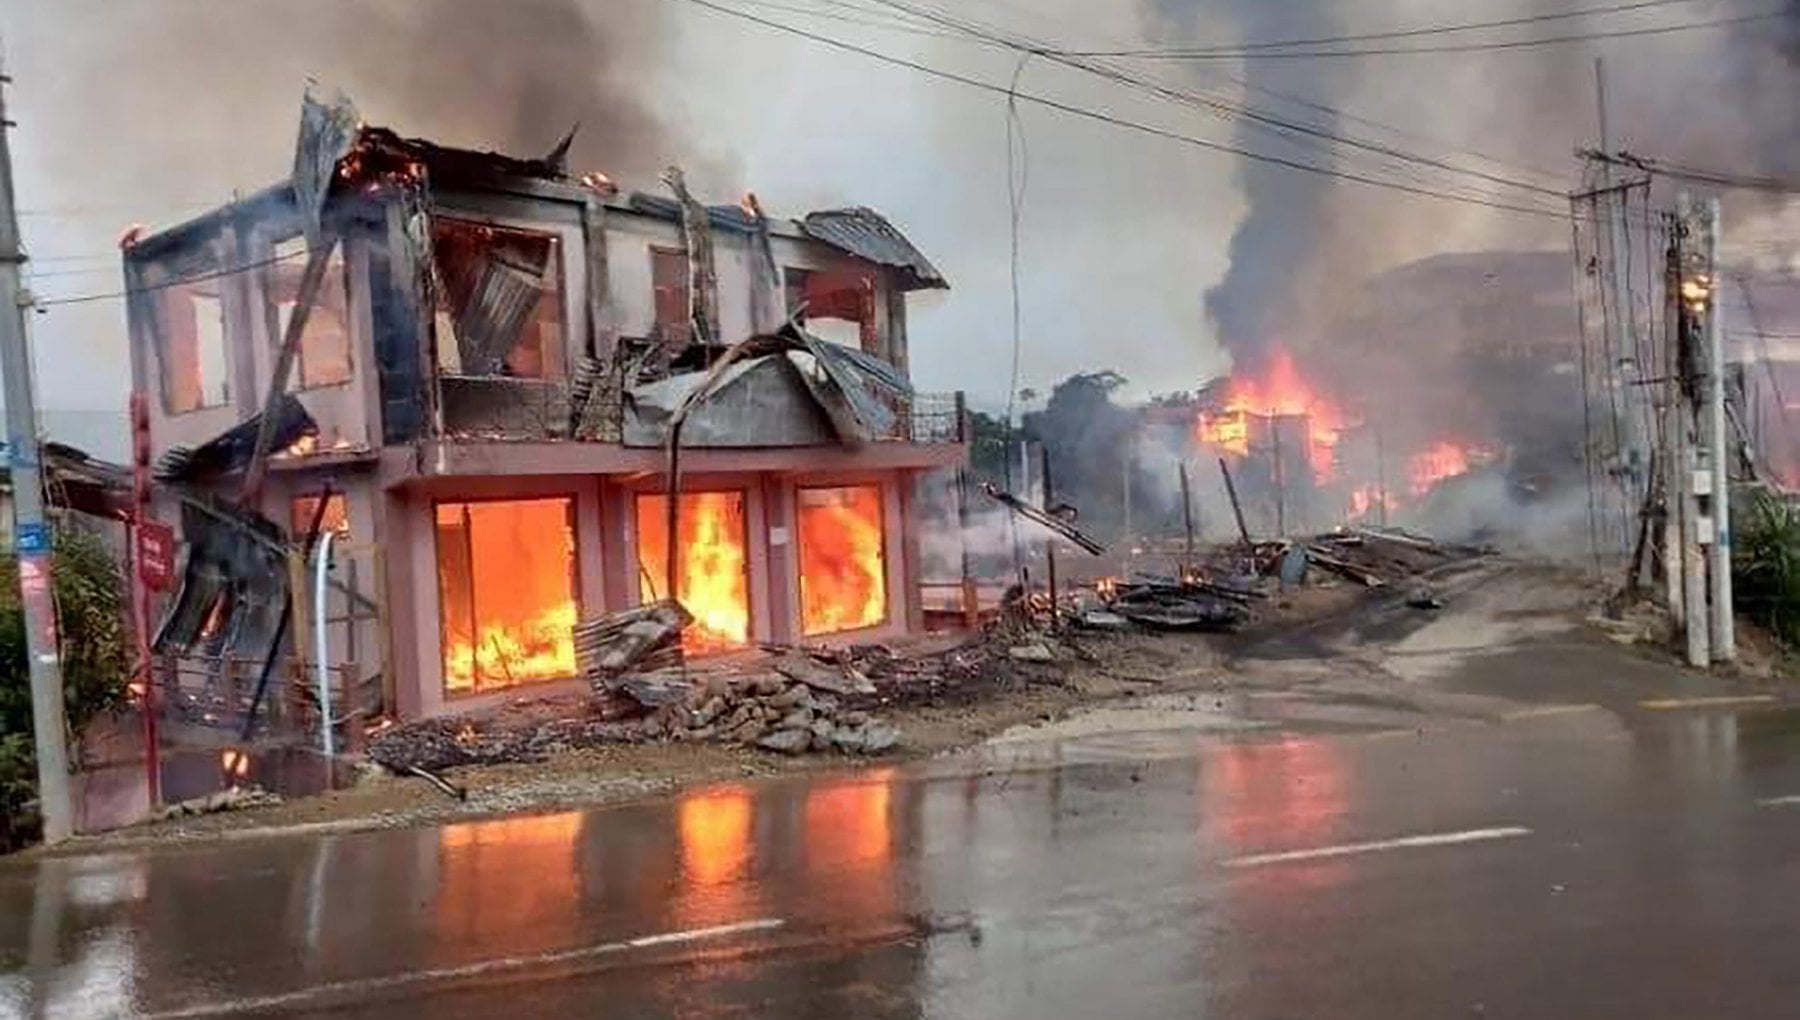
<point>96,663</point>
<point>1766,564</point>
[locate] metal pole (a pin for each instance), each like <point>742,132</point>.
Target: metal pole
<point>1280,481</point>
<point>971,610</point>
<point>31,535</point>
<point>322,642</point>
<point>1381,473</point>
<point>1724,629</point>
<point>1049,540</point>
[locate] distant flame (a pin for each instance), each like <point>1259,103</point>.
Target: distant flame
<point>1442,459</point>
<point>1283,391</point>
<point>1365,500</point>
<point>236,765</point>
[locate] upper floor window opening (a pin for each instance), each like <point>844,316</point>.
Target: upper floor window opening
<point>323,358</point>
<point>501,312</point>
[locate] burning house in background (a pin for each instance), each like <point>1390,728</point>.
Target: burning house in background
<point>494,354</point>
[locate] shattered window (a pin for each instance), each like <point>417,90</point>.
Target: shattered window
<point>834,304</point>
<point>712,564</point>
<point>336,517</point>
<point>324,355</point>
<point>843,559</point>
<point>669,282</point>
<point>501,313</point>
<point>506,585</point>
<point>195,369</point>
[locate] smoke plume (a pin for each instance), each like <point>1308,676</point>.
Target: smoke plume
<point>1308,243</point>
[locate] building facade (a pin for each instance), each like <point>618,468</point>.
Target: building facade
<point>491,361</point>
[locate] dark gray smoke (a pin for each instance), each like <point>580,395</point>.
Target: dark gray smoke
<point>1307,244</point>
<point>511,76</point>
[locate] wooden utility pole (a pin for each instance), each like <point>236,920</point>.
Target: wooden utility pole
<point>1187,512</point>
<point>31,535</point>
<point>971,610</point>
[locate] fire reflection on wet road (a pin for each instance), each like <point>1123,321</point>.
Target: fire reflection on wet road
<point>958,889</point>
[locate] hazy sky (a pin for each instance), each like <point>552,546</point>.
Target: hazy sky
<point>150,110</point>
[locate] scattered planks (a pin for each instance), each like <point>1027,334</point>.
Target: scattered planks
<point>637,643</point>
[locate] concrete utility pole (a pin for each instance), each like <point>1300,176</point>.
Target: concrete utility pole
<point>31,535</point>
<point>1610,201</point>
<point>1724,624</point>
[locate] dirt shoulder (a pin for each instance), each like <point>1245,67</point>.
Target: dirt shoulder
<point>1088,670</point>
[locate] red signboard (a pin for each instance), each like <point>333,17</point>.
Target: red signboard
<point>156,555</point>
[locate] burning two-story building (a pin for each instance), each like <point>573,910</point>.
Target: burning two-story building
<point>491,356</point>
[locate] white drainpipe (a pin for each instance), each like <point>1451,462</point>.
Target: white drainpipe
<point>321,644</point>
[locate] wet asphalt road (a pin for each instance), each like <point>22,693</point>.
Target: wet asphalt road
<point>1587,857</point>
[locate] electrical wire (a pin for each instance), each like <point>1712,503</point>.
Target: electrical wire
<point>1477,47</point>
<point>77,299</point>
<point>1105,117</point>
<point>1408,33</point>
<point>1210,103</point>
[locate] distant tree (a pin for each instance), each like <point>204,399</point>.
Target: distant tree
<point>1089,441</point>
<point>988,445</point>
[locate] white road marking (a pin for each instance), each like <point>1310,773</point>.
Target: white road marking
<point>1400,843</point>
<point>483,968</point>
<point>1548,711</point>
<point>1670,704</point>
<point>1791,800</point>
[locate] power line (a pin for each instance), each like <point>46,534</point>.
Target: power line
<point>1214,104</point>
<point>1122,122</point>
<point>1408,33</point>
<point>1390,51</point>
<point>76,299</point>
<point>1333,111</point>
<point>1718,178</point>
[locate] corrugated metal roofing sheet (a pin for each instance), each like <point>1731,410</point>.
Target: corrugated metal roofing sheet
<point>867,234</point>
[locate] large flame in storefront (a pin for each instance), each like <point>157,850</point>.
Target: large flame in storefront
<point>843,576</point>
<point>711,565</point>
<point>1281,392</point>
<point>507,589</point>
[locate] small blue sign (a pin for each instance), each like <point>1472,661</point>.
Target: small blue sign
<point>32,538</point>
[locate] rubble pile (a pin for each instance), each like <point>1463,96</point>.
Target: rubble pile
<point>780,699</point>
<point>792,708</point>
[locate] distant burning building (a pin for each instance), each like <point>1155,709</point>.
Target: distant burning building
<point>493,353</point>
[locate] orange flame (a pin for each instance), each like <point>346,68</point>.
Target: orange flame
<point>1442,459</point>
<point>843,569</point>
<point>541,648</point>
<point>1282,392</point>
<point>712,564</point>
<point>506,580</point>
<point>1365,499</point>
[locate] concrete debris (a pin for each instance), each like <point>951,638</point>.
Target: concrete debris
<point>1034,652</point>
<point>237,798</point>
<point>786,741</point>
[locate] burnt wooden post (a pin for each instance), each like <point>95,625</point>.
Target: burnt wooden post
<point>1050,541</point>
<point>1237,509</point>
<point>310,283</point>
<point>970,607</point>
<point>1187,510</point>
